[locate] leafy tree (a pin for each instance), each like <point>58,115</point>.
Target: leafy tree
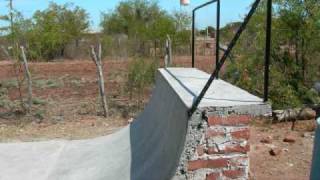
<point>55,27</point>
<point>295,53</point>
<point>142,21</point>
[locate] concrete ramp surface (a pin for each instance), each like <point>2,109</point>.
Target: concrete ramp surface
<point>149,148</point>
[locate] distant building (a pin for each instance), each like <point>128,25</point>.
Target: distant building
<point>205,46</point>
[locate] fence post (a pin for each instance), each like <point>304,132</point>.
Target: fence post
<point>97,60</point>
<point>168,56</point>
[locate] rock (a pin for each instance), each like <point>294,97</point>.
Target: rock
<point>285,150</point>
<point>293,114</point>
<point>275,151</point>
<point>307,113</point>
<point>130,120</point>
<point>289,139</point>
<point>306,135</point>
<point>266,140</point>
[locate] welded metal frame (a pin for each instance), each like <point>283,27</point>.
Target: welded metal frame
<point>220,63</point>
<point>217,29</point>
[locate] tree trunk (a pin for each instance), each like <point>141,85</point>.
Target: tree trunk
<point>297,49</point>
<point>304,61</point>
<point>28,76</point>
<point>97,60</point>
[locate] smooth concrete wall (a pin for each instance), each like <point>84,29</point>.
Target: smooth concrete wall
<point>315,169</point>
<point>147,149</point>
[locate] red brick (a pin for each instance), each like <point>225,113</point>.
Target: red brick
<point>230,149</point>
<point>200,150</point>
<point>213,176</point>
<point>213,150</point>
<point>215,132</point>
<point>237,148</point>
<point>239,161</point>
<point>234,174</point>
<point>210,163</point>
<point>218,163</point>
<point>241,134</point>
<point>233,120</point>
<point>197,164</point>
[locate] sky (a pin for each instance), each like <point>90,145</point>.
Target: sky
<point>231,10</point>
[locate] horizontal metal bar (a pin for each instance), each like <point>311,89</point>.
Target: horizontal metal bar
<point>203,5</point>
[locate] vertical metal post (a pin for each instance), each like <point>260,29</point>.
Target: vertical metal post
<point>218,35</point>
<point>193,37</point>
<point>223,58</point>
<point>267,50</point>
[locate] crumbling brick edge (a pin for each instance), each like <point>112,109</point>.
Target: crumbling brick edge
<point>217,143</point>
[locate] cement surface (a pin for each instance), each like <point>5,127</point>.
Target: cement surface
<point>188,83</point>
<point>149,148</point>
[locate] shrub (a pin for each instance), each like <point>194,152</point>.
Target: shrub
<point>141,75</point>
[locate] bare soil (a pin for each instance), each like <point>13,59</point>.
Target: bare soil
<point>67,102</point>
<point>294,160</point>
<point>67,107</point>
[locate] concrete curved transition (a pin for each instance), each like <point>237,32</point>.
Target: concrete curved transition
<point>149,148</point>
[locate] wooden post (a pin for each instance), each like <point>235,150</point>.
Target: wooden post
<point>97,60</point>
<point>168,57</point>
<point>28,76</point>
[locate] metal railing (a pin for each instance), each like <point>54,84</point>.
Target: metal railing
<point>219,63</point>
<point>217,29</point>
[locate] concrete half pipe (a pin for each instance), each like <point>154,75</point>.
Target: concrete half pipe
<point>149,148</point>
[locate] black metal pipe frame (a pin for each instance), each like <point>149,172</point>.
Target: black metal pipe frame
<point>193,25</point>
<point>218,36</point>
<point>267,50</point>
<point>223,58</point>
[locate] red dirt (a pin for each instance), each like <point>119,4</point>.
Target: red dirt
<point>293,163</point>
<point>294,159</point>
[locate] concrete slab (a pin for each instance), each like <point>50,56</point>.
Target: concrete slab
<point>188,83</point>
<point>149,148</point>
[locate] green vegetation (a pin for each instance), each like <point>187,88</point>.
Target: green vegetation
<point>144,23</point>
<point>47,33</point>
<point>138,26</point>
<point>48,83</point>
<point>295,53</point>
<point>38,101</point>
<point>140,76</point>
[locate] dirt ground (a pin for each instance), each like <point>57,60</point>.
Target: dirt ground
<point>66,103</point>
<point>294,159</point>
<point>66,106</point>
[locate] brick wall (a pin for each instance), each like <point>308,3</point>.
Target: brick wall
<point>221,152</point>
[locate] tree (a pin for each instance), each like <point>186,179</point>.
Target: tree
<point>295,53</point>
<point>140,20</point>
<point>54,28</point>
<point>15,33</point>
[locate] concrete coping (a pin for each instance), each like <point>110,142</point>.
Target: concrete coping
<point>188,83</point>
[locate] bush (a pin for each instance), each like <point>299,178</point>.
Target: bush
<point>48,83</point>
<point>141,75</point>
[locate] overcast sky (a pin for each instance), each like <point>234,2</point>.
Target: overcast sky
<point>231,10</point>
